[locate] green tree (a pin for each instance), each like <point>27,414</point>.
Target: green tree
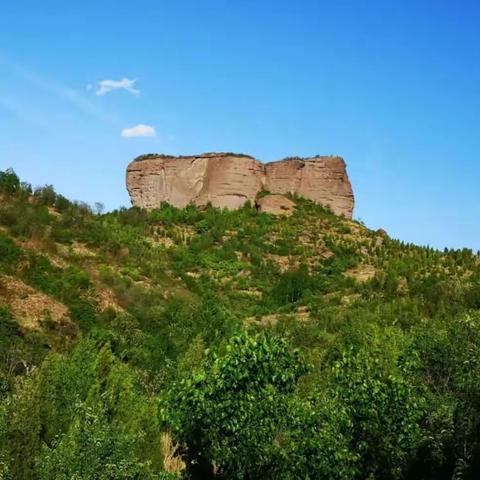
<point>9,182</point>
<point>384,407</point>
<point>93,449</point>
<point>238,417</point>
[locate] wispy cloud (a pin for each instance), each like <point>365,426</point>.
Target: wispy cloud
<point>140,130</point>
<point>106,86</point>
<point>60,91</point>
<point>27,114</point>
<point>71,96</point>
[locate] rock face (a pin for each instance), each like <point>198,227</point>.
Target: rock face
<point>228,180</point>
<point>275,205</point>
<point>322,179</point>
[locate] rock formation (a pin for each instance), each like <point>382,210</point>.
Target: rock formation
<point>228,180</point>
<point>322,179</point>
<point>275,204</point>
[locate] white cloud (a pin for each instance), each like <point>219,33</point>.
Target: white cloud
<point>139,130</point>
<point>106,86</point>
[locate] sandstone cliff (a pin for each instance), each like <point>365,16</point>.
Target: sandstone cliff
<point>229,180</point>
<point>322,179</point>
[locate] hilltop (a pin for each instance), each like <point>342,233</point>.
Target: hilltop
<point>211,343</point>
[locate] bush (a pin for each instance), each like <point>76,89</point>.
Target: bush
<point>292,286</point>
<point>9,253</point>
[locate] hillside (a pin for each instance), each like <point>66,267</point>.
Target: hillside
<point>207,343</point>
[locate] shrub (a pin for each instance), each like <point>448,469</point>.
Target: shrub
<point>10,253</point>
<point>292,286</point>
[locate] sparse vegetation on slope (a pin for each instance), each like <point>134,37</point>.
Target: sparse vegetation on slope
<point>216,344</point>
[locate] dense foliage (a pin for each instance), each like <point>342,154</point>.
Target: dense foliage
<point>213,344</point>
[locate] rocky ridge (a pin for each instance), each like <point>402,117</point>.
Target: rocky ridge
<point>228,180</point>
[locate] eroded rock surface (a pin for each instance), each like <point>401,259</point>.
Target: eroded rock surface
<point>322,179</point>
<point>276,204</point>
<point>229,180</point>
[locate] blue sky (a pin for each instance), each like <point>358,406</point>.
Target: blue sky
<point>392,86</point>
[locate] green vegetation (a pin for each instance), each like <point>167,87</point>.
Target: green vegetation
<point>204,344</point>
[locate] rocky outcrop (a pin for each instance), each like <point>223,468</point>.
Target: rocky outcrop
<point>322,179</point>
<point>275,205</point>
<point>224,180</point>
<point>228,180</point>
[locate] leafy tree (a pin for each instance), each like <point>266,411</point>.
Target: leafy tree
<point>450,354</point>
<point>45,195</point>
<point>92,449</point>
<point>99,208</point>
<point>237,416</point>
<point>82,416</point>
<point>385,409</point>
<point>9,182</point>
